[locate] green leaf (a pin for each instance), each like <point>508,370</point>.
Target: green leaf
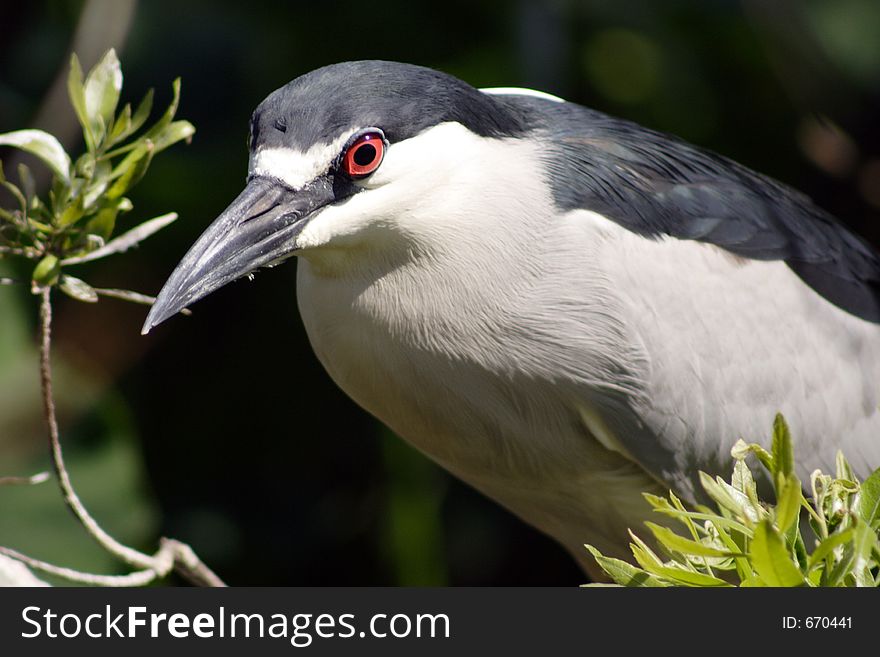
<point>685,545</point>
<point>869,500</point>
<point>121,126</point>
<point>782,448</point>
<point>865,542</point>
<point>29,186</point>
<point>827,546</point>
<point>623,573</point>
<point>170,111</point>
<point>44,146</point>
<point>687,577</point>
<point>47,270</point>
<point>130,170</point>
<point>771,560</point>
<point>173,133</point>
<point>659,503</point>
<point>125,241</point>
<point>714,518</point>
<point>142,113</point>
<point>104,221</point>
<point>99,182</point>
<point>843,469</point>
<point>77,289</point>
<point>743,480</point>
<point>741,450</point>
<point>789,503</point>
<point>102,87</point>
<point>72,213</point>
<point>77,95</point>
<point>727,497</point>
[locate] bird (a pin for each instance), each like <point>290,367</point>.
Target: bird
<point>562,308</point>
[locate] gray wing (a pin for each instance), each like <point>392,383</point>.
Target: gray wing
<point>656,184</point>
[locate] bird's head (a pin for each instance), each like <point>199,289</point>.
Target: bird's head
<point>337,158</point>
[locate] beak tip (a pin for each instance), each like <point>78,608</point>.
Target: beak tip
<point>158,314</point>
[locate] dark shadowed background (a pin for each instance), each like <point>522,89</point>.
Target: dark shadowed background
<point>222,429</point>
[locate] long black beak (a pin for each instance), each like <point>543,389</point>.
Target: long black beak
<point>259,228</point>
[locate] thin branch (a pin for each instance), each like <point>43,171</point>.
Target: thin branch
<point>133,297</point>
<point>25,252</point>
<point>126,554</point>
<point>38,478</point>
<point>8,281</point>
<point>171,554</point>
<point>125,241</point>
<point>137,578</point>
<point>188,565</point>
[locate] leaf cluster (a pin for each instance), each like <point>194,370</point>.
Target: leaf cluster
<point>747,541</point>
<point>76,220</point>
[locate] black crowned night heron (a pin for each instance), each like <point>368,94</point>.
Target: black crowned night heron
<point>562,308</point>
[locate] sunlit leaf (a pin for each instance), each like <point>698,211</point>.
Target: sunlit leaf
<point>869,500</point>
<point>742,479</point>
<point>102,87</point>
<point>827,546</point>
<point>788,505</point>
<point>169,113</point>
<point>104,221</point>
<point>782,448</point>
<point>125,241</point>
<point>173,133</point>
<point>121,126</point>
<point>142,113</point>
<point>685,545</point>
<point>623,573</point>
<point>77,95</point>
<point>131,170</point>
<point>77,289</point>
<point>72,213</point>
<point>741,450</point>
<point>771,559</point>
<point>842,467</point>
<point>44,146</point>
<point>687,577</point>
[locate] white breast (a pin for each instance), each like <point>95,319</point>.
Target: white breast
<point>562,365</point>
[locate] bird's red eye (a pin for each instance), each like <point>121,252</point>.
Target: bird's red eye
<point>364,155</point>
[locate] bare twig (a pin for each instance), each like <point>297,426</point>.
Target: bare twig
<point>8,281</point>
<point>38,478</point>
<point>172,554</point>
<point>137,578</point>
<point>188,565</point>
<point>16,251</point>
<point>134,297</point>
<point>126,554</point>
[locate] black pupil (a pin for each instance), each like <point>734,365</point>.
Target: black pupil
<point>364,155</point>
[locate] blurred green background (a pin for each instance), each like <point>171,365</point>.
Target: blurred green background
<point>222,429</point>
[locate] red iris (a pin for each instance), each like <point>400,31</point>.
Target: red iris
<point>364,155</point>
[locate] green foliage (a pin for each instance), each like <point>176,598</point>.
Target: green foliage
<point>751,542</point>
<point>76,221</point>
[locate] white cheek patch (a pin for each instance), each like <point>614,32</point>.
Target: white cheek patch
<point>519,91</point>
<point>292,166</point>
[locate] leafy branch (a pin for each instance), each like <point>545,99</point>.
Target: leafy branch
<point>76,224</point>
<point>754,543</point>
